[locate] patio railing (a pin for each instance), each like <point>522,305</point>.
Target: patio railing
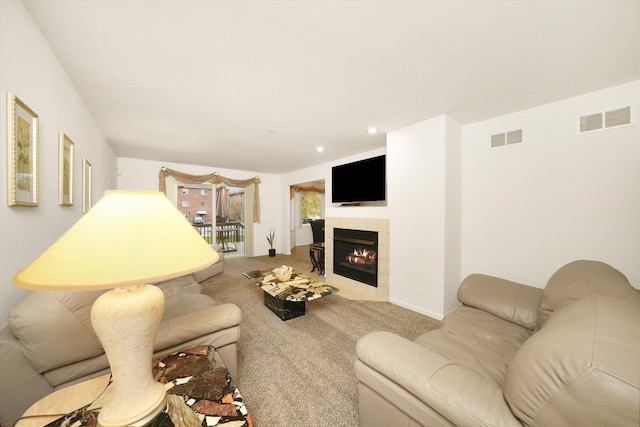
<point>228,234</point>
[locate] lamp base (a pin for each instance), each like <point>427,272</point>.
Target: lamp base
<point>162,404</point>
<point>126,321</point>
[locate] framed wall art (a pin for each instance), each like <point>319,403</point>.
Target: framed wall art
<point>86,185</point>
<point>23,162</point>
<point>65,170</point>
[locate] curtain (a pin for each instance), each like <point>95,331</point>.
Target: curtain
<point>212,178</point>
<point>222,202</point>
<point>293,189</point>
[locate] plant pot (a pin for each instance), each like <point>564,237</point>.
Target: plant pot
<point>272,252</point>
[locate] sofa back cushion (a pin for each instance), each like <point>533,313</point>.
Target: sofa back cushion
<point>580,279</point>
<point>581,368</point>
<point>54,328</point>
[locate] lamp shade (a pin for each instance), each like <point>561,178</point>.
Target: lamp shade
<point>127,238</point>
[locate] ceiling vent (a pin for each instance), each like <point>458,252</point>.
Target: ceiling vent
<point>506,138</point>
<point>605,120</point>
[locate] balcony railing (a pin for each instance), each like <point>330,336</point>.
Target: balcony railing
<point>228,234</point>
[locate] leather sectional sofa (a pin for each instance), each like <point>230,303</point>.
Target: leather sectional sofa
<point>49,342</point>
<point>513,355</point>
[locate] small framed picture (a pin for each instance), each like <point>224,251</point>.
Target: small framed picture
<point>65,171</point>
<point>86,185</point>
<point>23,161</point>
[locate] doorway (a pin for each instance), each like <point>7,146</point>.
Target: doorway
<point>169,185</point>
<point>218,213</point>
<point>306,204</point>
<point>231,214</point>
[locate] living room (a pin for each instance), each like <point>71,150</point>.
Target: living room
<point>455,205</point>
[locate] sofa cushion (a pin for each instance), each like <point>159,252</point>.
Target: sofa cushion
<point>580,279</point>
<point>48,324</point>
<point>477,340</point>
<point>580,368</point>
<point>176,290</point>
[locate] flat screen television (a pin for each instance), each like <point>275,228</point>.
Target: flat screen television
<point>361,181</point>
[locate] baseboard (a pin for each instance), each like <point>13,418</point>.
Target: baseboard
<point>411,307</point>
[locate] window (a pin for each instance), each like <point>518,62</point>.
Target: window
<point>311,206</point>
<point>185,203</point>
<point>185,190</point>
<point>203,203</point>
<point>203,192</point>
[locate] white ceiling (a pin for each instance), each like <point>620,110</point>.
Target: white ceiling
<point>257,85</point>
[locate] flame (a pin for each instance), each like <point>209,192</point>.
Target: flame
<point>362,256</point>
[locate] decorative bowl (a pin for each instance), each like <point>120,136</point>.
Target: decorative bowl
<point>283,273</point>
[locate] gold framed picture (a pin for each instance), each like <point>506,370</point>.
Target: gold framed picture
<point>86,185</point>
<point>65,170</point>
<point>23,162</point>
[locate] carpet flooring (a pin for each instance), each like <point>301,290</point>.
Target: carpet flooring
<point>299,372</point>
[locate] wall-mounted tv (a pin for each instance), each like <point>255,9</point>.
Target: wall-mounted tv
<point>361,181</point>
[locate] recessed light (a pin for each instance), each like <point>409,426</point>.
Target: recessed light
<point>319,149</point>
<point>372,131</point>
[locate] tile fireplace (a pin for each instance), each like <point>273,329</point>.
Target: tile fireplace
<point>356,288</point>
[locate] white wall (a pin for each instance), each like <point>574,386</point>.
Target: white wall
<point>30,70</point>
<point>136,174</point>
<point>453,214</point>
<point>559,196</point>
<point>424,204</point>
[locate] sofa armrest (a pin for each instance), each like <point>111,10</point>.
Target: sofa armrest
<point>213,270</point>
<point>511,301</point>
<point>457,393</point>
<point>216,318</point>
<point>197,323</point>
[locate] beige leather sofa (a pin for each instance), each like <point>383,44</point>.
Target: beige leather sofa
<point>513,355</point>
<point>49,343</point>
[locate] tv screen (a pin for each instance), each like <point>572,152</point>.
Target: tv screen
<point>361,181</point>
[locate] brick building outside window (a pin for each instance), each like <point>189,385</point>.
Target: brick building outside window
<point>195,200</point>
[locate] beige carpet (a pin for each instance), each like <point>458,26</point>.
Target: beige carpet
<point>299,372</point>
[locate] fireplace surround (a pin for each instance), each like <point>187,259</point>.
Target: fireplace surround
<point>350,288</point>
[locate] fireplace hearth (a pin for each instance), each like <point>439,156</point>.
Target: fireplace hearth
<point>355,255</point>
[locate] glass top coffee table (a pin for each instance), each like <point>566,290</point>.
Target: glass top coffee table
<point>287,299</point>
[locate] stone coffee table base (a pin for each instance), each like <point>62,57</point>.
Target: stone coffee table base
<point>287,300</point>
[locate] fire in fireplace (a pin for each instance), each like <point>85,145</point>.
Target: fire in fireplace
<point>355,255</point>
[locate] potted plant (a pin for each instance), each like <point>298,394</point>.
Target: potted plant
<point>272,251</point>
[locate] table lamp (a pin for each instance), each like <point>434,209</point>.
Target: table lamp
<point>128,240</point>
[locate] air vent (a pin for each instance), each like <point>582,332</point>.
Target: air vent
<point>506,138</point>
<point>618,117</point>
<point>514,136</point>
<point>497,140</point>
<point>591,122</point>
<point>605,120</point>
